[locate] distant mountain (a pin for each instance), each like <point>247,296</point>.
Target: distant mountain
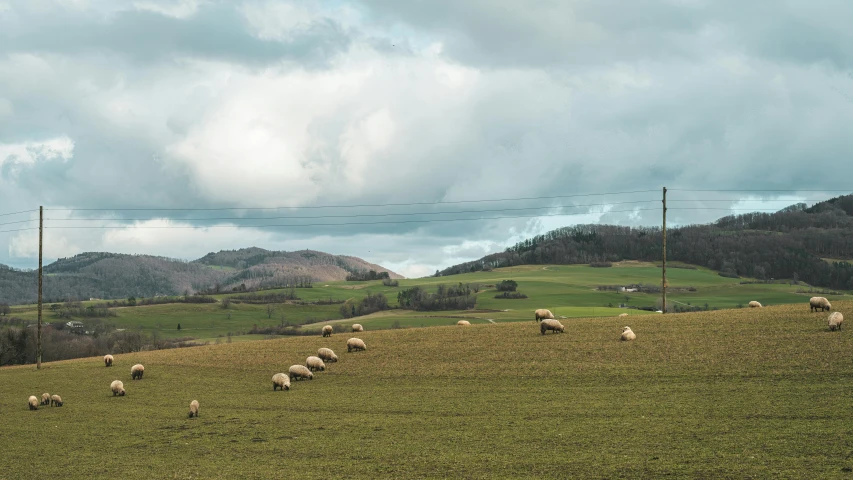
<point>112,275</point>
<point>813,244</point>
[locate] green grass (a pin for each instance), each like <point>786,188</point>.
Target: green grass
<point>568,290</point>
<point>730,394</point>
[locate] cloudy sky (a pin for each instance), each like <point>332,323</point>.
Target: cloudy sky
<point>426,132</point>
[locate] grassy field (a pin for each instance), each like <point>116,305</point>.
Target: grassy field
<point>568,290</point>
<point>740,393</point>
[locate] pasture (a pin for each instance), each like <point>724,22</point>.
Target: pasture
<point>726,394</point>
<point>567,290</point>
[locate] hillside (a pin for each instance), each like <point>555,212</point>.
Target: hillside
<point>111,275</point>
<point>749,393</point>
<point>792,243</point>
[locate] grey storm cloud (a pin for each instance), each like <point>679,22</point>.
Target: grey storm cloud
<point>217,31</point>
<point>380,102</point>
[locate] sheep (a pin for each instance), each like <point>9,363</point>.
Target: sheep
<point>623,314</point>
<point>194,409</point>
<point>835,320</point>
<point>45,399</point>
<point>463,322</point>
<point>551,324</point>
<point>33,402</point>
<point>819,302</point>
<point>356,327</point>
<point>117,387</point>
<point>543,313</point>
<point>754,304</point>
<point>300,372</point>
<point>628,334</point>
<point>315,363</point>
<point>327,355</point>
<point>327,331</point>
<point>280,380</point>
<point>55,401</point>
<point>108,360</point>
<point>136,372</point>
<point>355,344</point>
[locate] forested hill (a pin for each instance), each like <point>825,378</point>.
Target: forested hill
<point>111,275</point>
<point>814,245</point>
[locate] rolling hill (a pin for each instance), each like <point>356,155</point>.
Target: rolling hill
<point>111,275</point>
<point>793,243</point>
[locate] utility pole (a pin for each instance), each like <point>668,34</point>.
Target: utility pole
<point>663,270</point>
<point>41,233</point>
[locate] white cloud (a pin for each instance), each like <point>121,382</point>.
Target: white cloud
<point>29,153</point>
<point>171,8</point>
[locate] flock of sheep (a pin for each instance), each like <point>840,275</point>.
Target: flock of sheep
<point>815,304</point>
<point>281,381</point>
<point>315,363</point>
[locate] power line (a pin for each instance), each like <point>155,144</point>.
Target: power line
<point>349,216</point>
<point>345,223</point>
<point>346,206</point>
<point>19,221</point>
<point>752,190</point>
<point>16,213</point>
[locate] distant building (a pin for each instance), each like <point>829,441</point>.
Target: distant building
<point>74,324</point>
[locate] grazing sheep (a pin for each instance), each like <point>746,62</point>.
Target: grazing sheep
<point>623,314</point>
<point>543,313</point>
<point>194,409</point>
<point>108,360</point>
<point>55,401</point>
<point>45,399</point>
<point>136,372</point>
<point>754,304</point>
<point>327,355</point>
<point>819,302</point>
<point>628,334</point>
<point>117,387</point>
<point>327,331</point>
<point>463,322</point>
<point>33,402</point>
<point>355,344</point>
<point>300,372</point>
<point>835,320</point>
<point>280,380</point>
<point>356,327</point>
<point>551,324</point>
<point>315,363</point>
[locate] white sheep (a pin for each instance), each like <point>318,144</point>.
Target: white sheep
<point>355,344</point>
<point>280,380</point>
<point>315,363</point>
<point>327,355</point>
<point>45,399</point>
<point>55,401</point>
<point>543,313</point>
<point>356,327</point>
<point>327,331</point>
<point>551,324</point>
<point>194,409</point>
<point>136,372</point>
<point>754,304</point>
<point>628,334</point>
<point>819,302</point>
<point>33,402</point>
<point>117,388</point>
<point>463,322</point>
<point>108,360</point>
<point>623,314</point>
<point>300,372</point>
<point>835,320</point>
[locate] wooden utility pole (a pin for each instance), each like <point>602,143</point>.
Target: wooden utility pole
<point>663,281</point>
<point>41,231</point>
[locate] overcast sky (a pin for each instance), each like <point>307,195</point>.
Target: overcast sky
<point>113,105</point>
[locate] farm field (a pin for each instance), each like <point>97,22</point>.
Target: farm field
<point>728,394</point>
<point>567,290</point>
